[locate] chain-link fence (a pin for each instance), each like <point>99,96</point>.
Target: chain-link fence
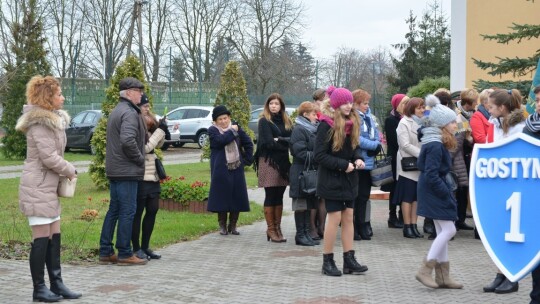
<point>86,94</point>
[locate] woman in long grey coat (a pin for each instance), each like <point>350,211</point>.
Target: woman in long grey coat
<point>230,150</point>
<point>43,122</point>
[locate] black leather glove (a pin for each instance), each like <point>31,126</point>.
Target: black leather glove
<point>163,126</point>
<point>375,152</point>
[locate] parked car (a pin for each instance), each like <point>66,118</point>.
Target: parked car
<point>80,130</point>
<point>174,129</point>
<point>193,123</point>
<point>256,114</point>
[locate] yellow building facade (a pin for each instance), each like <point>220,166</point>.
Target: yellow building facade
<point>470,20</point>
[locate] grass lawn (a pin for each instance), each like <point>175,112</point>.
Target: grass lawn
<point>80,238</point>
<point>76,155</point>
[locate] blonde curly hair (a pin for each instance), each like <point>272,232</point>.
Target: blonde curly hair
<point>41,90</point>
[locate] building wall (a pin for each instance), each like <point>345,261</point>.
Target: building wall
<point>480,17</point>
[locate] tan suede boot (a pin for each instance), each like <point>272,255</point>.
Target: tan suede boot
<point>442,276</point>
<point>425,275</point>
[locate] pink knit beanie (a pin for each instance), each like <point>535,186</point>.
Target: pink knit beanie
<point>339,96</point>
<point>396,99</point>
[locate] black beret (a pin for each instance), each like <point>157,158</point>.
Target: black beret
<point>130,83</point>
<point>218,111</point>
<point>144,99</point>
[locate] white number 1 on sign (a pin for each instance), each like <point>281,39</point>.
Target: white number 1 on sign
<point>514,205</point>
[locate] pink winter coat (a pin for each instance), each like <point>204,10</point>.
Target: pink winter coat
<point>44,163</point>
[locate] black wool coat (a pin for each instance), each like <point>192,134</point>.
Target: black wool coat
<point>302,146</point>
<point>332,181</point>
<point>228,190</point>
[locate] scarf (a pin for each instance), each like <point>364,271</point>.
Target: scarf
<point>431,134</point>
<point>484,112</point>
<point>466,114</point>
<point>306,124</point>
<point>232,154</point>
<point>330,122</point>
<point>395,113</point>
<point>533,122</point>
<point>366,126</point>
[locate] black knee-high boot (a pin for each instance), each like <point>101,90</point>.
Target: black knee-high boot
<point>37,269</point>
<point>55,271</point>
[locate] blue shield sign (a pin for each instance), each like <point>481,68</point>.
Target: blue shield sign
<point>505,200</point>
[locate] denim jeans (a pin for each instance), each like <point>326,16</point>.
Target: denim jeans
<point>122,209</point>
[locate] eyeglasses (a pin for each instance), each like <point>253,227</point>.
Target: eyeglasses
<point>138,90</point>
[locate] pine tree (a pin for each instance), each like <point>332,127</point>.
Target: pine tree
<point>515,66</point>
<point>426,53</point>
<point>232,93</point>
<point>129,68</point>
<point>30,60</point>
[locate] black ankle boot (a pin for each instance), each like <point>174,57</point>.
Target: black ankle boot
<point>369,229</point>
<point>416,232</point>
<point>499,279</point>
<point>55,271</point>
<point>37,258</point>
<point>429,226</point>
<point>350,265</point>
<point>363,232</point>
<point>408,231</point>
<point>307,228</point>
<point>507,287</point>
<point>222,221</point>
<point>329,266</point>
<point>301,237</point>
<point>393,221</point>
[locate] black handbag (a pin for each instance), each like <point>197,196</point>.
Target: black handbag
<point>409,163</point>
<point>308,177</point>
<point>381,174</point>
<point>160,170</point>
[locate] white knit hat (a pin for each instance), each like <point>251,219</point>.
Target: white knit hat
<point>439,115</point>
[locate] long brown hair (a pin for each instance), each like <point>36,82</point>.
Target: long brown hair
<point>337,132</point>
<point>268,115</point>
<point>510,100</point>
<point>449,140</point>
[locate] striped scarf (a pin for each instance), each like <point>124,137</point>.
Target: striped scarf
<point>533,122</point>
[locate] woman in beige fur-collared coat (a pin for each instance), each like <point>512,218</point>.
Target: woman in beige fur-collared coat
<point>44,124</point>
<point>405,192</point>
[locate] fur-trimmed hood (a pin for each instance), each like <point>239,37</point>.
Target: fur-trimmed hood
<point>326,108</point>
<point>515,117</point>
<point>35,115</point>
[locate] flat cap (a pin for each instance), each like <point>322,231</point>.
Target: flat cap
<point>130,83</point>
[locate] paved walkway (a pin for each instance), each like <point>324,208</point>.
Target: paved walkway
<point>179,156</point>
<point>248,269</point>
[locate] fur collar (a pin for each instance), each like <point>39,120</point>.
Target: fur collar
<point>34,115</point>
<point>516,116</point>
<point>326,109</point>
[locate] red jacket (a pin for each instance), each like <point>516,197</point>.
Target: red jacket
<point>482,129</point>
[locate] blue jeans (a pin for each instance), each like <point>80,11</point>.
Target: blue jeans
<point>122,209</point>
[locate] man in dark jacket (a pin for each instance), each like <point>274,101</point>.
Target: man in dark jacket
<point>124,165</point>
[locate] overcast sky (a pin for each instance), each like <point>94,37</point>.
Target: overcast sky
<point>359,24</point>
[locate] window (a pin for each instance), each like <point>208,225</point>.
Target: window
<point>90,117</point>
<point>192,113</point>
<point>176,115</point>
<point>203,113</point>
<point>255,114</point>
<point>79,118</point>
